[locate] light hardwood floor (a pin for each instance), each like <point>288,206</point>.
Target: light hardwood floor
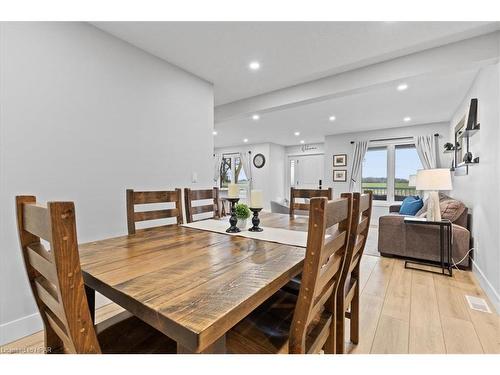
<point>402,311</point>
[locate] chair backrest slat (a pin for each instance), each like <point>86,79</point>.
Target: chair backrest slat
<point>36,221</point>
<point>306,194</point>
<point>331,246</point>
<point>55,276</point>
<point>41,264</point>
<point>151,197</point>
<point>319,337</point>
<point>327,240</point>
<point>147,197</point>
<point>43,288</point>
<point>191,196</point>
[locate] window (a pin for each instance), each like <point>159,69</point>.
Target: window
<point>226,171</point>
<point>231,171</point>
<point>374,172</point>
<point>387,169</point>
<point>407,163</point>
<point>240,176</point>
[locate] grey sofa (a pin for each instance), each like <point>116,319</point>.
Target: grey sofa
<point>422,241</point>
<point>280,207</point>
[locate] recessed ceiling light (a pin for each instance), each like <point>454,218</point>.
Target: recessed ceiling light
<point>406,119</point>
<point>296,134</point>
<point>214,132</point>
<point>402,87</point>
<point>245,140</point>
<point>302,142</point>
<point>255,117</point>
<point>254,65</point>
<point>332,118</point>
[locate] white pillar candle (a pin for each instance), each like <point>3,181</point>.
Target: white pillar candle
<point>233,191</point>
<point>256,199</point>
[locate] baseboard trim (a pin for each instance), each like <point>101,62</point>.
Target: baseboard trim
<point>19,328</point>
<point>487,287</point>
<point>28,325</point>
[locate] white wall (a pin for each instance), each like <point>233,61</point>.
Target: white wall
<point>271,177</point>
<point>277,172</point>
<point>84,116</point>
<point>341,144</point>
<point>479,190</point>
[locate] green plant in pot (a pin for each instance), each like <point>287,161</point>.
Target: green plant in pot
<point>448,146</point>
<point>242,213</point>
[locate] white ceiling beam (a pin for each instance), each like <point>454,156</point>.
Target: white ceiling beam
<point>465,54</point>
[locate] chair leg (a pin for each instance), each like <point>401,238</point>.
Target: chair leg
<point>340,326</point>
<point>355,316</point>
<point>330,345</point>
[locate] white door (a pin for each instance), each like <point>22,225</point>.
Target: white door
<point>305,172</point>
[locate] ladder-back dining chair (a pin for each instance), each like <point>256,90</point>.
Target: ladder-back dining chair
<point>191,196</point>
<point>306,194</point>
<point>151,197</point>
<point>57,284</point>
<point>287,323</point>
<point>348,293</point>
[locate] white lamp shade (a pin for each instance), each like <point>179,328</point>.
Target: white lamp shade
<point>412,181</point>
<point>434,179</point>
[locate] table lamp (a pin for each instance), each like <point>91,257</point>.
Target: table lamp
<point>433,180</point>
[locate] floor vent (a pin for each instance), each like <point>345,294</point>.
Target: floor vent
<point>479,304</point>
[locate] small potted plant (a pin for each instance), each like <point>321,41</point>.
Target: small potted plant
<point>448,146</point>
<point>242,213</point>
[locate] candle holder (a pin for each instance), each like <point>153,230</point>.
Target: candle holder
<point>233,220</point>
<point>255,220</point>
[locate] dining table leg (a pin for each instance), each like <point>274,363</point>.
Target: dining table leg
<point>91,301</point>
<point>218,347</point>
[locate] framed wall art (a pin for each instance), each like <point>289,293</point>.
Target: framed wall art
<point>340,175</point>
<point>340,160</point>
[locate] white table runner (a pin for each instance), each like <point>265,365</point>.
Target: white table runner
<point>278,235</point>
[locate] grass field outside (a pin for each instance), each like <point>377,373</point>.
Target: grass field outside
<point>401,190</point>
<point>383,185</point>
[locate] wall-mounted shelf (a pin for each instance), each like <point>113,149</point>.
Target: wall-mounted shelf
<point>464,164</point>
<point>449,151</point>
<point>469,132</point>
<point>464,130</point>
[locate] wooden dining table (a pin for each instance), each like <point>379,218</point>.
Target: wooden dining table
<point>190,284</point>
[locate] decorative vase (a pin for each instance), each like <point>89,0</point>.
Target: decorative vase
<point>468,157</point>
<point>242,224</point>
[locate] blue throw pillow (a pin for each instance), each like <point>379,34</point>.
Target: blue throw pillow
<point>411,205</point>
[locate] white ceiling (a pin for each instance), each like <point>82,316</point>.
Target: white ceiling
<point>289,52</point>
<point>428,99</point>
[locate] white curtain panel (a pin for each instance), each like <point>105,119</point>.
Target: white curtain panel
<point>246,161</point>
<point>360,149</point>
<point>217,166</point>
<point>426,149</point>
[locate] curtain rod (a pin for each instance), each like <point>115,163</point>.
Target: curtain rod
<point>392,139</point>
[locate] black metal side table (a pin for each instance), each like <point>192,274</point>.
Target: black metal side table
<point>445,246</point>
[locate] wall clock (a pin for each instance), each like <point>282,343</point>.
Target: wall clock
<point>259,160</point>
